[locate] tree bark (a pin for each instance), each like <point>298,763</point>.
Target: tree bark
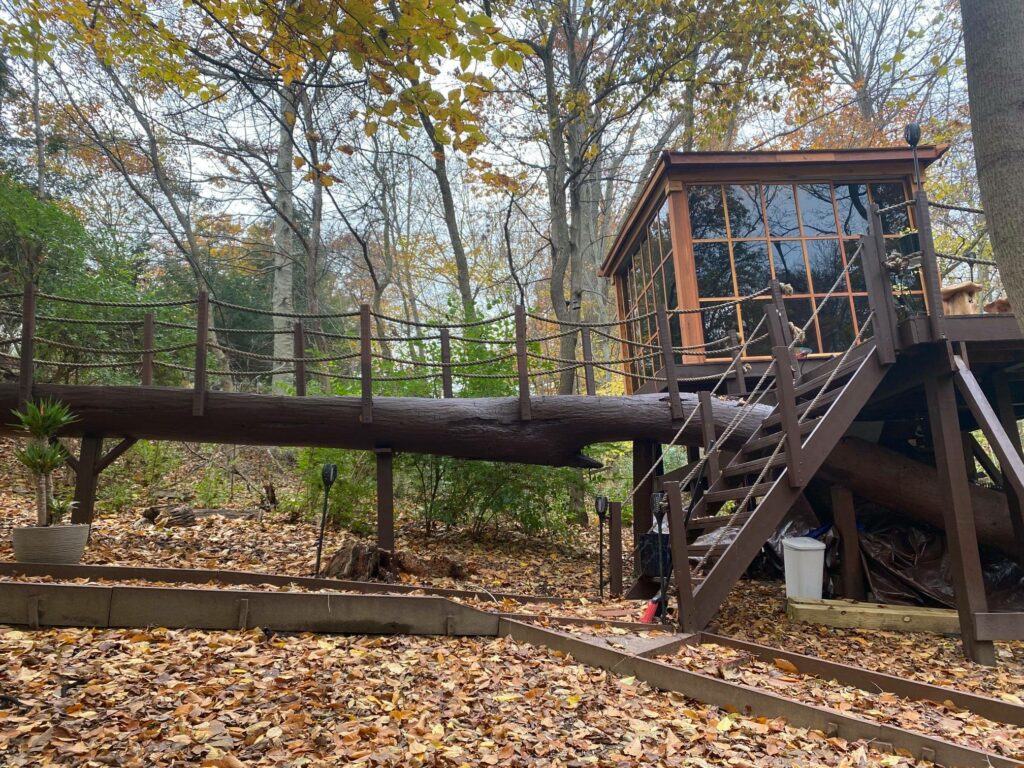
<point>282,293</point>
<point>993,37</point>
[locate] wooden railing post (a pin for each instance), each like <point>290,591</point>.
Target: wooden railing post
<point>784,336</point>
<point>588,360</point>
<point>680,557</point>
<point>148,342</point>
<point>446,363</point>
<point>615,548</point>
<point>707,426</point>
<point>929,266</point>
<point>668,362</point>
<point>879,288</point>
<point>26,370</point>
<point>366,363</point>
<point>202,332</point>
<point>299,353</point>
<point>739,386</point>
<point>785,395</point>
<point>522,365</point>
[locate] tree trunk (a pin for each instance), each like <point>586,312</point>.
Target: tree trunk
<point>994,50</point>
<point>281,299</point>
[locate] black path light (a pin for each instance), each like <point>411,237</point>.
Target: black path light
<point>658,510</point>
<point>601,507</point>
<point>328,475</point>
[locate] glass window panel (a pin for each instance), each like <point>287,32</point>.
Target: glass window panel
<point>788,258</point>
<point>856,269</point>
<point>677,336</point>
<point>852,202</point>
<point>659,286</point>
<point>884,195</point>
<point>624,288</point>
<point>836,324</point>
<point>752,313</point>
<point>799,311</point>
<point>753,270</point>
<point>654,242</point>
<point>826,261</point>
<point>714,273</point>
<point>718,321</point>
<point>645,265</point>
<point>664,230</point>
<point>819,218</point>
<point>745,216</point>
<point>780,206</point>
<point>707,214</point>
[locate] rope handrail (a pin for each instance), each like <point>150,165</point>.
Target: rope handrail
<point>60,364</point>
<point>961,208</point>
<point>79,320</point>
<point>464,324</point>
<point>894,206</point>
<point>274,359</point>
<point>117,304</point>
<point>719,305</point>
<point>105,351</point>
<point>432,364</point>
<point>272,313</point>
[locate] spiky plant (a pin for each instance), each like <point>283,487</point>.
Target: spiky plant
<point>42,455</point>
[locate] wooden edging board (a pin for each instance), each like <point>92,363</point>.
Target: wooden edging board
<point>748,700</point>
<point>203,576</point>
<point>873,681</point>
<point>850,614</point>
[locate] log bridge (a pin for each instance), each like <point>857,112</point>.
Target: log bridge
<point>759,430</point>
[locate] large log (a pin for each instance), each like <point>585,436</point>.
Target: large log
<point>473,428</point>
<point>892,480</point>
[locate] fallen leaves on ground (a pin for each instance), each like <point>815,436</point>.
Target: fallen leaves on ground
<point>74,697</point>
<point>756,611</point>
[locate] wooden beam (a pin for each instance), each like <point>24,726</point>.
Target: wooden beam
<point>85,479</point>
<point>668,363</point>
<point>385,500</point>
<point>982,457</point>
<point>858,615</point>
<point>522,364</point>
<point>1008,418</point>
<point>851,565</point>
<point>961,537</point>
<point>114,454</point>
<point>202,332</point>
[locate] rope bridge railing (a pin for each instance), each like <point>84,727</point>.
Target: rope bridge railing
<point>174,341</point>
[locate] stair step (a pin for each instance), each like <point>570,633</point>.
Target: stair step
<point>738,493</point>
<point>719,521</point>
<point>827,399</point>
<point>754,465</point>
<point>771,440</point>
<point>814,384</point>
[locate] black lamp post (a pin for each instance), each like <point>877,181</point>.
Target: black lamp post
<point>328,475</point>
<point>601,507</point>
<point>658,510</point>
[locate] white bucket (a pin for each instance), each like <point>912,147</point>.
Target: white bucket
<point>804,559</point>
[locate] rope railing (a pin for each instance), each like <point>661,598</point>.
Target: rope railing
<point>960,208</point>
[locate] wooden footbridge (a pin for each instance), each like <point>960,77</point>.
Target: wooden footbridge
<point>759,429</point>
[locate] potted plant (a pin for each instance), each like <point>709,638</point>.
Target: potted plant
<point>47,541</point>
<point>909,242</point>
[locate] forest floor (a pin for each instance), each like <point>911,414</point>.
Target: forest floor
<point>168,698</point>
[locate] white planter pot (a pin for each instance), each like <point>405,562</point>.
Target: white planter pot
<point>63,544</point>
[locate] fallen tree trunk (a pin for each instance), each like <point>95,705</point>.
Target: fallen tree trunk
<point>471,428</point>
<point>892,480</point>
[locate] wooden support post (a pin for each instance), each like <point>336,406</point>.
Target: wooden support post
<point>680,558</point>
<point>738,385</point>
<point>645,454</point>
<point>786,338</point>
<point>961,537</point>
<point>366,363</point>
<point>707,425</point>
<point>446,363</point>
<point>668,363</point>
<point>879,288</point>
<point>85,479</point>
<point>615,548</point>
<point>790,422</point>
<point>969,464</point>
<point>850,563</point>
<point>26,370</point>
<point>1008,418</point>
<point>385,499</point>
<point>929,266</point>
<point>299,353</point>
<point>148,342</point>
<point>522,364</point>
<point>588,361</point>
<point>202,332</point>
<point>987,464</point>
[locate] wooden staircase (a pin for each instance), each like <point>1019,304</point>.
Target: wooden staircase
<point>757,487</point>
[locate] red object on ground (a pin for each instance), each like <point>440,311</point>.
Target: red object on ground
<point>649,612</point>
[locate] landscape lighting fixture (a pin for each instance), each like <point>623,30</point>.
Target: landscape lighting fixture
<point>328,475</point>
<point>912,134</point>
<point>601,507</point>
